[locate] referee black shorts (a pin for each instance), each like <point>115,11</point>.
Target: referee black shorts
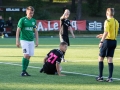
<point>66,39</point>
<point>108,48</point>
<point>49,70</point>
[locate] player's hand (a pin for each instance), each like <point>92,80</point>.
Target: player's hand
<point>65,12</point>
<point>36,45</point>
<point>99,36</point>
<point>100,45</point>
<point>18,44</point>
<point>73,36</point>
<point>62,75</point>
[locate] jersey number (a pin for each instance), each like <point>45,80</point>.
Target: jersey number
<point>52,55</point>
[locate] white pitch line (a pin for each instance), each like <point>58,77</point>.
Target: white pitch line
<point>90,75</point>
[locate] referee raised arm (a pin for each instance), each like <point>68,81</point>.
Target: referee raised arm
<point>108,44</point>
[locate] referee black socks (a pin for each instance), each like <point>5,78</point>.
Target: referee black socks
<point>110,66</point>
<point>101,66</point>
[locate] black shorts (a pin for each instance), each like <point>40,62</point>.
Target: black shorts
<point>108,48</point>
<point>66,39</point>
<point>1,29</point>
<point>49,70</point>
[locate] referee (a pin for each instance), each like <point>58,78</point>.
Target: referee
<point>108,44</point>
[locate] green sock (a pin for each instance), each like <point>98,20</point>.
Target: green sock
<point>27,63</point>
<point>23,64</point>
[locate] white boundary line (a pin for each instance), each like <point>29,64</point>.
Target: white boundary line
<point>8,63</point>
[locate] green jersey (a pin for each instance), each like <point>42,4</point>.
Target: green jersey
<point>27,28</point>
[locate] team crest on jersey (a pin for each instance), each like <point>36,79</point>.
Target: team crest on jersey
<point>25,19</point>
<point>33,23</point>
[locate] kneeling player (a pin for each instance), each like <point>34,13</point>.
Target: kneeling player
<point>53,59</point>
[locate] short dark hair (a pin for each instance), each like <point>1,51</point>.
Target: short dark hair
<point>30,8</point>
<point>63,43</point>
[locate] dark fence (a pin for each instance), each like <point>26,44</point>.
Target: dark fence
<point>58,1</point>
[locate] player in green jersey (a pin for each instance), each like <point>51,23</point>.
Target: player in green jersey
<point>26,28</point>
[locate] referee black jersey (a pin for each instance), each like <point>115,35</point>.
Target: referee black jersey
<point>54,56</point>
<point>65,23</point>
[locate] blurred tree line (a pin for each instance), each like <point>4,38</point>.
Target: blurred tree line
<point>94,7</point>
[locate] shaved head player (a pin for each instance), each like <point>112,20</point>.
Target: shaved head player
<point>64,26</point>
<point>53,59</point>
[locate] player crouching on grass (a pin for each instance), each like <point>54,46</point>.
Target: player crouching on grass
<point>53,59</point>
<point>108,44</point>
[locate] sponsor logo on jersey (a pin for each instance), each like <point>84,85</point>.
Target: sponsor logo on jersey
<point>29,28</point>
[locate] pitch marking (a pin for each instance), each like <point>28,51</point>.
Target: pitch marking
<point>90,75</point>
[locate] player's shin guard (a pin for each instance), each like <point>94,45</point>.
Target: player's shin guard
<point>101,66</point>
<point>24,64</point>
<point>111,66</point>
<point>27,63</point>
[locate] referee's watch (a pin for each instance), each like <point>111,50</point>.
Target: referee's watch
<point>101,42</point>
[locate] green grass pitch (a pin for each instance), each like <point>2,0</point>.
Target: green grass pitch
<point>82,58</point>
